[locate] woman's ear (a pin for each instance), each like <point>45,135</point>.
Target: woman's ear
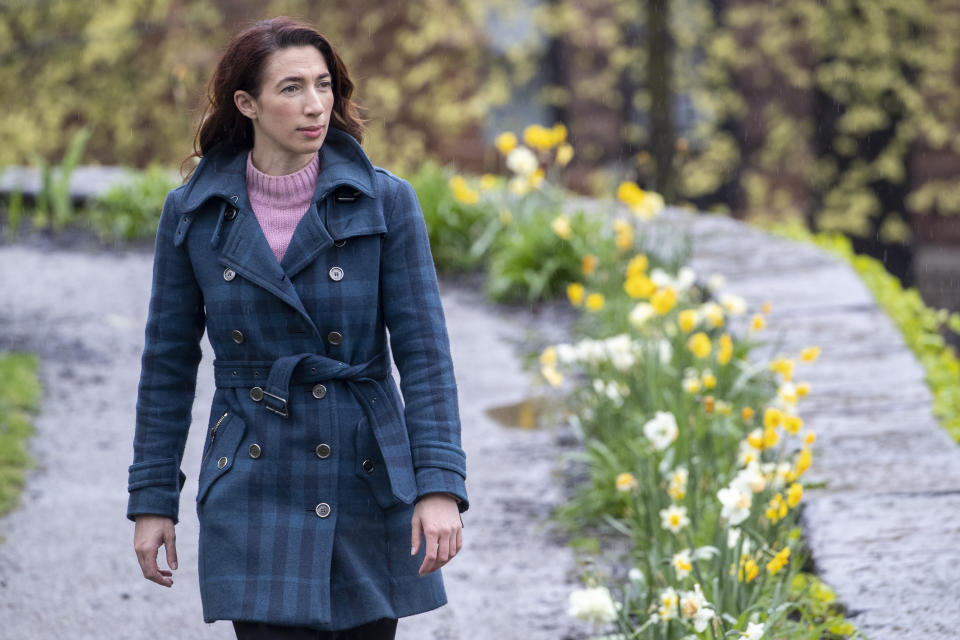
<point>245,104</point>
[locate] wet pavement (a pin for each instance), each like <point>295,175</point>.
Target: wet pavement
<point>67,565</point>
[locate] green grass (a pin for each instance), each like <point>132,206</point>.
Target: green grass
<point>19,395</point>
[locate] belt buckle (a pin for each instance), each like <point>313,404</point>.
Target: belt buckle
<point>282,412</point>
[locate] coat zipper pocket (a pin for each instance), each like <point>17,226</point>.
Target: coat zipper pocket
<point>213,435</point>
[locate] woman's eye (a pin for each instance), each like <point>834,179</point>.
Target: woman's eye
<point>290,88</point>
<point>325,83</point>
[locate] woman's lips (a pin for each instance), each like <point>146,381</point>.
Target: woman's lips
<point>311,132</point>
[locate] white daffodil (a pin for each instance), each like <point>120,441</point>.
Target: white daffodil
<point>661,430</point>
<point>736,504</point>
<point>666,352</point>
<point>668,604</point>
<point>750,478</point>
<point>694,605</point>
<point>754,631</point>
<point>640,314</point>
<point>686,276</point>
<point>594,604</point>
<point>682,563</point>
<point>716,281</point>
<point>620,351</point>
<point>522,161</point>
<point>735,305</point>
<point>566,353</point>
<point>674,518</point>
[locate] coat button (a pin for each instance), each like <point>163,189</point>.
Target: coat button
<point>335,337</point>
<point>255,451</point>
<point>230,213</point>
<point>319,391</point>
<point>323,450</point>
<point>340,243</point>
<point>336,273</point>
<point>368,465</point>
<point>222,462</point>
<point>256,394</point>
<point>229,274</point>
<point>323,509</point>
<point>237,336</point>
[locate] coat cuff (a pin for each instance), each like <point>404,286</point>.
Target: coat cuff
<point>436,480</point>
<point>154,488</point>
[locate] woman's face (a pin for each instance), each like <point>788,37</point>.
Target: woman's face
<point>292,113</point>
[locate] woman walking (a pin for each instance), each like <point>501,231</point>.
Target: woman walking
<point>326,504</point>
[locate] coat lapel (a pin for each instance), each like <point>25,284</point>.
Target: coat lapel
<point>309,240</point>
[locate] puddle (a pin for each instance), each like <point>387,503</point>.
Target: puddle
<point>529,413</point>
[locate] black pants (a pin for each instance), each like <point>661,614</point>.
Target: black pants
<point>382,629</point>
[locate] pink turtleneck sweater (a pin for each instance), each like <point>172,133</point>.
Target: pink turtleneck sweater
<point>279,202</point>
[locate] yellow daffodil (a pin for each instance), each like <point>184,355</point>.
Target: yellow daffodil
<point>626,482</point>
<point>755,439</point>
<point>554,377</point>
<point>794,495</point>
<point>779,561</point>
<point>462,192</point>
<point>639,286</point>
<point>810,354</point>
<point>724,408</point>
<point>699,344</point>
<point>809,438</point>
<point>757,322</point>
<point>643,204</point>
<point>772,417</point>
<point>783,366</point>
<point>594,302</point>
<point>725,351</point>
<point>776,509</point>
<point>804,460</point>
<point>770,438</point>
<point>561,226</point>
<point>748,569</point>
<point>664,300</point>
<point>488,181</point>
<point>687,320</point>
<point>624,234</point>
<point>803,389</point>
<point>709,380</point>
<point>575,293</point>
<point>506,142</point>
<point>539,137</point>
<point>765,308</point>
<point>708,404</point>
<point>746,413</point>
<point>564,155</point>
<point>638,265</point>
<point>630,193</point>
<point>548,357</point>
<point>792,423</point>
<point>588,264</point>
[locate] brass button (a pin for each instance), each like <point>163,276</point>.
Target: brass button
<point>222,462</point>
<point>255,451</point>
<point>335,337</point>
<point>230,213</point>
<point>256,394</point>
<point>323,450</point>
<point>237,336</point>
<point>336,273</point>
<point>229,274</point>
<point>323,509</point>
<point>319,391</point>
<point>340,243</point>
<point>368,465</point>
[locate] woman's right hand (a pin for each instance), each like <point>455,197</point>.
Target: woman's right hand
<point>150,533</point>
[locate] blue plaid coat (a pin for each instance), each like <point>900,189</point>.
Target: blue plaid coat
<point>312,461</point>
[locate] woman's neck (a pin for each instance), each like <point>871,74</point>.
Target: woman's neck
<point>275,164</point>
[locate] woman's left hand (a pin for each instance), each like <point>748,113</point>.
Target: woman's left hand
<point>436,518</point>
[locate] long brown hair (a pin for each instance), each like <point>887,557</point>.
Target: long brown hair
<point>241,68</point>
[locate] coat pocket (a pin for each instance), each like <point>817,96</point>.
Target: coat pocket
<point>370,466</point>
<point>220,451</point>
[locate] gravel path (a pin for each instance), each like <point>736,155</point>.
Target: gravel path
<point>67,566</point>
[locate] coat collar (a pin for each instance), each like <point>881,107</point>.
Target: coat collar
<point>222,172</point>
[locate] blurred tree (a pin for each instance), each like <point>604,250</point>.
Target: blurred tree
<point>135,72</point>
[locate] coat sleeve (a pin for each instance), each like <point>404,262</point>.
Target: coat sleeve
<point>168,375</point>
<point>421,348</point>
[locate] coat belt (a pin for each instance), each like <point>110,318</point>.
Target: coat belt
<point>366,381</point>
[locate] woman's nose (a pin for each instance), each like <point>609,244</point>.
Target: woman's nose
<point>314,102</point>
